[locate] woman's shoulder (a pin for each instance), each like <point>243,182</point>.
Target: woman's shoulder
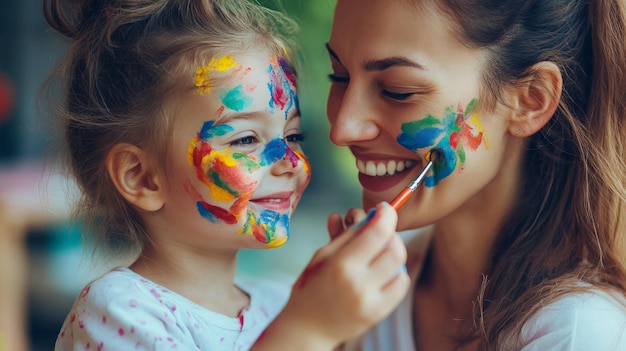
<point>593,319</point>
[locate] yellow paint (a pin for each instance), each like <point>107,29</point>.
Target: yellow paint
<point>192,146</point>
<point>220,64</point>
<point>276,243</point>
<point>304,160</point>
<point>220,194</point>
<point>475,121</point>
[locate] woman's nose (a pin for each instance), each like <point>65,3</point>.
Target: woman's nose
<point>351,120</point>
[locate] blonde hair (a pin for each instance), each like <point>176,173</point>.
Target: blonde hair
<point>127,59</point>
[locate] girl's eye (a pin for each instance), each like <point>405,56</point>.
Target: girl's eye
<point>295,138</point>
<point>397,96</point>
<point>338,79</point>
<point>247,140</point>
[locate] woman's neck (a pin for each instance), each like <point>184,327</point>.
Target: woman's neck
<point>463,242</point>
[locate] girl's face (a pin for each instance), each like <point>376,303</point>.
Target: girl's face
<point>236,170</point>
<point>403,84</point>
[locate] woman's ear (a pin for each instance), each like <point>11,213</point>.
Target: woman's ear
<point>536,99</point>
<point>133,175</point>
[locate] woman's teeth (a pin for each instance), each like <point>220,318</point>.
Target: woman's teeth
<point>379,168</point>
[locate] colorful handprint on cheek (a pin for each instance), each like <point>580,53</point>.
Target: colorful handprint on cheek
<point>457,129</point>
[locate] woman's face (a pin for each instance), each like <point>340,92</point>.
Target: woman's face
<point>236,168</point>
<point>403,84</point>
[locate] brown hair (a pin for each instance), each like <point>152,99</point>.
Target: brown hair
<point>567,226</point>
<point>126,63</point>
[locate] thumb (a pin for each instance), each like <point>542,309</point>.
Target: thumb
<point>334,225</point>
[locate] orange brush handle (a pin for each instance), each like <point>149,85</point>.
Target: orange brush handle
<point>401,198</point>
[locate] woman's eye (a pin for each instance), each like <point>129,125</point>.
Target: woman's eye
<point>247,140</point>
<point>397,96</point>
<point>338,79</point>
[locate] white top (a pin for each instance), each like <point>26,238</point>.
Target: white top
<point>124,311</point>
<point>578,322</point>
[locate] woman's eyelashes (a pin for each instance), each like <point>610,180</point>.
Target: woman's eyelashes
<point>334,78</point>
<point>396,96</point>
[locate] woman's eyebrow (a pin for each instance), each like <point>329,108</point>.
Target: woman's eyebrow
<point>382,64</point>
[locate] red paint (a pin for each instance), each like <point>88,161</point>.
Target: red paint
<point>307,273</point>
<point>259,233</point>
<point>220,213</point>
<point>454,139</point>
<point>241,322</point>
<point>471,140</point>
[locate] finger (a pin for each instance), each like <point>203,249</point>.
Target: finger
<point>394,291</point>
<point>390,261</point>
<point>335,225</point>
<point>372,236</point>
<point>354,215</point>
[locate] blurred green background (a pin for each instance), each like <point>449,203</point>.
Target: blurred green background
<point>57,266</point>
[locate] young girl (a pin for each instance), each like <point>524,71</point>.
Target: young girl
<point>521,232</point>
<point>183,130</point>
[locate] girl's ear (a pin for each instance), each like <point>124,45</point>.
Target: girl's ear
<point>536,99</point>
<point>134,177</point>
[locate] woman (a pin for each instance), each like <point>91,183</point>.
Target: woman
<point>521,226</point>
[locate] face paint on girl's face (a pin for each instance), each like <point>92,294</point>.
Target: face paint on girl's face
<point>282,86</point>
<point>228,177</point>
<point>450,135</point>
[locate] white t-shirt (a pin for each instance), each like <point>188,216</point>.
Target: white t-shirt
<point>124,311</point>
<point>591,321</point>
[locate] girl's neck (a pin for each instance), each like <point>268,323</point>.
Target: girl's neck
<point>207,280</point>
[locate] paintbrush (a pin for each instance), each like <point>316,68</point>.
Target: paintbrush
<point>404,195</point>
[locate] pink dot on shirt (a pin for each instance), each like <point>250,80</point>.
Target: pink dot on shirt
<point>133,303</point>
<point>120,332</point>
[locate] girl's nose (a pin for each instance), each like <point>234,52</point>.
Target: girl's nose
<point>290,163</point>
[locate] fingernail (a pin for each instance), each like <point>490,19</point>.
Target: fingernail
<point>357,226</point>
<point>402,269</point>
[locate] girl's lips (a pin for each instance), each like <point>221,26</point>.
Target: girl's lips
<point>279,202</point>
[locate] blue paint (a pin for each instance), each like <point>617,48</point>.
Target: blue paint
<point>205,213</point>
<point>236,99</point>
<point>209,130</point>
<point>275,150</point>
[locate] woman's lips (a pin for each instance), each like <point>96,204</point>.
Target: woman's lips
<point>378,176</point>
<point>279,202</point>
